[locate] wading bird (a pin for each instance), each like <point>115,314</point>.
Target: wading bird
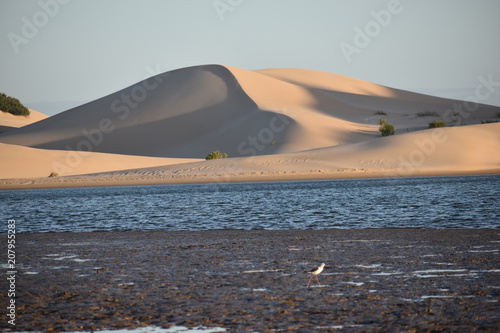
<point>314,273</point>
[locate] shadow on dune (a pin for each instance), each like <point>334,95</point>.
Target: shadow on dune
<point>192,112</point>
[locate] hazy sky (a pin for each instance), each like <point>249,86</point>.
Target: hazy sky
<point>60,53</point>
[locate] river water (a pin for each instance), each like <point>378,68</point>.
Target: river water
<point>424,202</point>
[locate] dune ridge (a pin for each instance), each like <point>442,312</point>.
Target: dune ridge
<point>9,121</point>
<point>270,122</point>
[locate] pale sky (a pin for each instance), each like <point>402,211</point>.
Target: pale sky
<point>57,54</point>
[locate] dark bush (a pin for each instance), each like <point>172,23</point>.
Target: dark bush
<point>385,128</point>
<point>436,123</point>
<point>13,106</point>
<point>215,155</point>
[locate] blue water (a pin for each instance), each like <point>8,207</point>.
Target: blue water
<point>433,202</point>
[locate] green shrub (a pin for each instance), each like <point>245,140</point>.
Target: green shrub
<point>215,155</point>
<point>436,123</point>
<point>427,114</point>
<point>13,106</point>
<point>380,112</point>
<point>385,129</point>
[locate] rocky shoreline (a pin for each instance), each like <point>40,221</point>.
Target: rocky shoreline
<point>412,280</point>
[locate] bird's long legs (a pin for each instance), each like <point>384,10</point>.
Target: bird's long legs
<point>310,279</point>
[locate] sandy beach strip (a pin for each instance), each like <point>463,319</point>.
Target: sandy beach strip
<point>246,281</point>
<point>135,179</point>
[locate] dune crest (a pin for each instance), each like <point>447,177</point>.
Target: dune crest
<point>9,122</point>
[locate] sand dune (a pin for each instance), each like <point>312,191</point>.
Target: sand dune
<point>9,122</point>
<point>25,162</point>
<point>459,149</point>
<point>270,121</point>
<point>185,113</point>
<point>189,112</point>
<point>448,151</point>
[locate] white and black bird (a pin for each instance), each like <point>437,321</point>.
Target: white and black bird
<point>314,273</point>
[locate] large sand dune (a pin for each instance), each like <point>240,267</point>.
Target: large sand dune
<point>276,120</point>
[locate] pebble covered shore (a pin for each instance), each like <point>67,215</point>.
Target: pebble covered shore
<point>415,280</point>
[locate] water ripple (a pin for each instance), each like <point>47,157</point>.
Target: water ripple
<point>433,202</point>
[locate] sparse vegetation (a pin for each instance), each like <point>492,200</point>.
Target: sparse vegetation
<point>436,123</point>
<point>13,106</point>
<point>385,129</point>
<point>380,112</point>
<point>53,174</point>
<point>427,114</point>
<point>489,121</point>
<point>216,154</point>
